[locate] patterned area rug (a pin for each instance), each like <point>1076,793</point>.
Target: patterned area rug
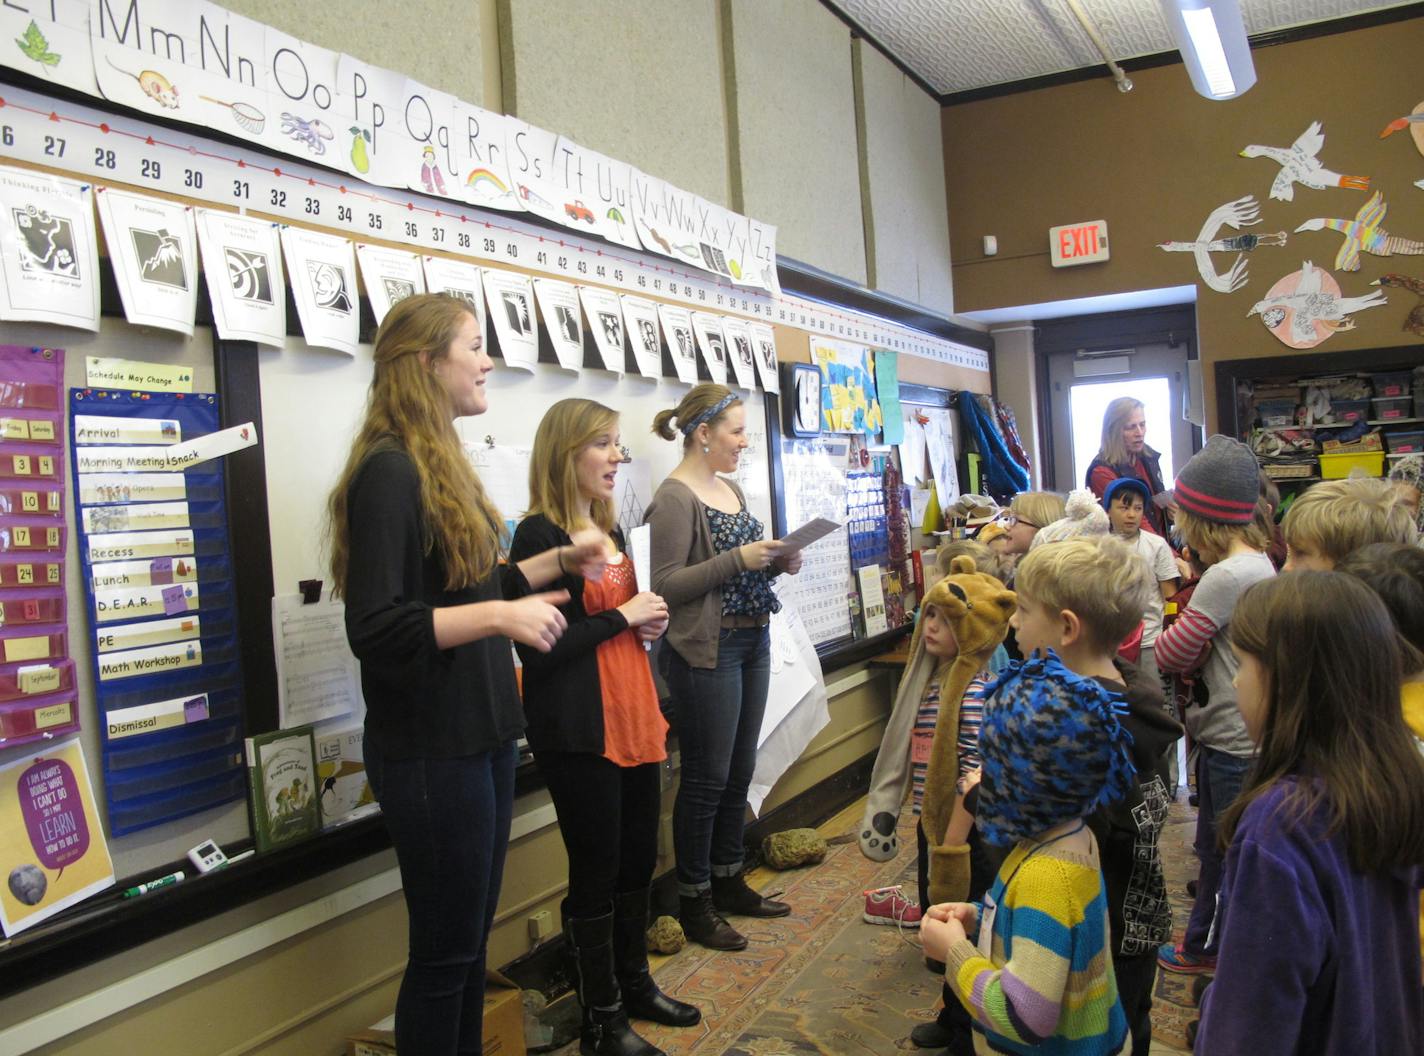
<point>822,981</point>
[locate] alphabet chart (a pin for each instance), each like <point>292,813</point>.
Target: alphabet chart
<point>814,473</point>
<point>107,148</point>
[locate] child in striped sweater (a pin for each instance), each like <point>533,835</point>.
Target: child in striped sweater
<point>1038,975</point>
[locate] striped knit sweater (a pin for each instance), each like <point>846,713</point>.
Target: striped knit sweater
<point>1048,987</point>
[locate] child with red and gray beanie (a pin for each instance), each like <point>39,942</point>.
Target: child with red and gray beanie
<point>1217,493</point>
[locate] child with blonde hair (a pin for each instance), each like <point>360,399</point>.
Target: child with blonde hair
<point>1218,498</point>
<point>1335,518</point>
<point>1077,600</point>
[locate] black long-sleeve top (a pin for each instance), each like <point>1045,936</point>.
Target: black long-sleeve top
<point>563,696</point>
<point>421,700</point>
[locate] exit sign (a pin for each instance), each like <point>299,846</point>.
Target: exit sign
<point>1085,243</point>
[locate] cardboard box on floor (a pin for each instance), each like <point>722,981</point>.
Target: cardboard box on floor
<point>503,1027</point>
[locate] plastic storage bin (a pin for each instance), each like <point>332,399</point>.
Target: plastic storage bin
<point>1276,412</point>
<point>1393,383</point>
<point>1349,410</point>
<point>1405,442</point>
<point>1337,467</point>
<point>1391,407</point>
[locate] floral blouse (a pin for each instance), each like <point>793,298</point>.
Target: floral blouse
<point>747,593</point>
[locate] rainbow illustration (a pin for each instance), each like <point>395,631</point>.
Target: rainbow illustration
<point>482,176</point>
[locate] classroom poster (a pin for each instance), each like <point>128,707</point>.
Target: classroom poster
<point>511,305</point>
<point>49,266</point>
<point>563,318</point>
<point>640,316</point>
<point>739,351</point>
<point>323,273</point>
<point>712,343</point>
<point>242,259</point>
<point>605,319</point>
<point>390,276</point>
<point>848,400</point>
<point>681,342</point>
<point>52,848</point>
<point>764,340</point>
<point>153,246</point>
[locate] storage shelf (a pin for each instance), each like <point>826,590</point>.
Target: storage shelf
<point>1405,454</point>
<point>1337,425</point>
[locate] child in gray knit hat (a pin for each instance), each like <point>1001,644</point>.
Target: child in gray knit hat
<point>1217,494</point>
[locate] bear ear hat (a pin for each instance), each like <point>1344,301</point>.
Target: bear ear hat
<point>961,565</point>
<point>1007,600</point>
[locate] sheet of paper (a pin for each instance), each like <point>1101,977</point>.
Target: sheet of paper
<point>712,343</point>
<point>322,270</point>
<point>559,305</point>
<point>814,472</point>
<point>640,318</point>
<point>919,502</point>
<point>786,731</point>
<point>640,546</point>
<point>939,443</point>
<point>605,319</point>
<point>740,354</point>
<point>682,344</point>
<point>765,340</point>
<point>101,372</point>
<point>49,265</point>
<point>887,387</point>
<point>390,276</point>
<point>807,534</point>
<point>872,600</point>
<point>511,307</point>
<point>242,259</point>
<point>153,246</point>
<point>317,677</point>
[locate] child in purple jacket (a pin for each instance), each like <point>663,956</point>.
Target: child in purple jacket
<point>1319,945</point>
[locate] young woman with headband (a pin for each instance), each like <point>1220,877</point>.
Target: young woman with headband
<point>714,569</point>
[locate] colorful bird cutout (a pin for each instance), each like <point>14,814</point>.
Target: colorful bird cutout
<point>1299,164</point>
<point>1243,212</point>
<point>1306,307</point>
<point>1364,234</point>
<point>1415,123</point>
<point>1414,322</point>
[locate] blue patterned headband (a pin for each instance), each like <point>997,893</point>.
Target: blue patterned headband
<point>707,415</point>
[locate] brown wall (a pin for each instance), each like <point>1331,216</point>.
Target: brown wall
<point>1155,162</point>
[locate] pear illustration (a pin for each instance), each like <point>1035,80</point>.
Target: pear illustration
<point>359,157</point>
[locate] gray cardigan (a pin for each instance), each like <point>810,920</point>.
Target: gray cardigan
<point>687,570</point>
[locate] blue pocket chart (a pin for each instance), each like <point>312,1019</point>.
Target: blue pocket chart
<point>158,579</point>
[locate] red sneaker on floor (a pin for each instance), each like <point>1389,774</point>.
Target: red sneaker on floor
<point>888,905</point>
<point>1176,959</point>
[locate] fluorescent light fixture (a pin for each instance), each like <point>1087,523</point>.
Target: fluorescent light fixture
<point>1212,39</point>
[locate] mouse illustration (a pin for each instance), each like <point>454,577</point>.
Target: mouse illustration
<point>156,86</point>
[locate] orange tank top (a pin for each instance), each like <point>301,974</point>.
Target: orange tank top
<point>634,730</point>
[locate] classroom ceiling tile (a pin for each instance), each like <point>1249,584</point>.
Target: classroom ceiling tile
<point>958,45</point>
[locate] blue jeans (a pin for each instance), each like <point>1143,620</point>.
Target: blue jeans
<point>1219,780</point>
<point>449,821</point>
<point>717,716</point>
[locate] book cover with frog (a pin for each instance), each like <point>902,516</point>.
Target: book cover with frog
<point>282,780</point>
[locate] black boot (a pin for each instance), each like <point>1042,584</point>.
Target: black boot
<point>731,894</point>
<point>702,923</point>
<point>641,996</point>
<point>605,1030</point>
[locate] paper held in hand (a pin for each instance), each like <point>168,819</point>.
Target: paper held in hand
<point>807,534</point>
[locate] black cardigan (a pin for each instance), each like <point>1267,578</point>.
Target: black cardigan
<point>421,701</point>
<point>563,697</point>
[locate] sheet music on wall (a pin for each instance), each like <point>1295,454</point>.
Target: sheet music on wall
<point>814,473</point>
<point>317,677</point>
